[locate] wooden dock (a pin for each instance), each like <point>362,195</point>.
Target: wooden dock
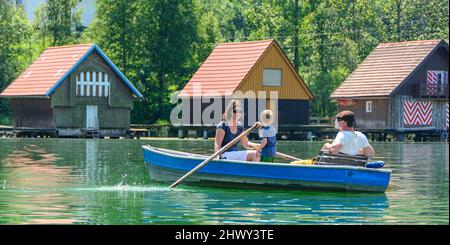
<point>25,132</point>
<point>319,129</point>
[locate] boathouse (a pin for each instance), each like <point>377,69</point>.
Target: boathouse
<point>247,70</point>
<point>401,87</point>
<point>74,90</point>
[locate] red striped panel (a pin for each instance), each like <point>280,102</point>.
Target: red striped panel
<point>446,119</point>
<point>431,82</point>
<point>419,113</point>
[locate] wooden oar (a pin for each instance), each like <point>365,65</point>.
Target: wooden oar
<point>222,150</point>
<point>287,157</point>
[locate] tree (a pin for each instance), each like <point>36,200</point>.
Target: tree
<point>40,26</point>
<point>159,44</point>
<point>14,50</point>
<point>114,30</point>
<point>398,19</point>
<point>168,35</point>
<point>60,19</point>
<point>153,44</point>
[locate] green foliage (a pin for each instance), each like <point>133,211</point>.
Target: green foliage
<point>63,21</point>
<point>58,21</point>
<point>14,49</point>
<point>15,30</point>
<point>154,50</point>
<point>159,44</point>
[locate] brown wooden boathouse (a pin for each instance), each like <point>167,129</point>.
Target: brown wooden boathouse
<point>400,87</point>
<point>72,91</point>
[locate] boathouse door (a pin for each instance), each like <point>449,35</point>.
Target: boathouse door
<point>91,117</point>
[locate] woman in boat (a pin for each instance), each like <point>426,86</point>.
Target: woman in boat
<point>230,128</point>
<point>348,141</point>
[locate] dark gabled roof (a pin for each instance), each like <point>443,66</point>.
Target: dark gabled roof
<point>386,67</point>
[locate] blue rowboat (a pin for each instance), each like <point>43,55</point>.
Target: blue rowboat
<point>168,166</point>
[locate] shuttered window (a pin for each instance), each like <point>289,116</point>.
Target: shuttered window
<point>92,84</point>
<point>272,77</point>
<point>369,106</point>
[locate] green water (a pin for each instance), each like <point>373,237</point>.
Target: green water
<point>76,181</point>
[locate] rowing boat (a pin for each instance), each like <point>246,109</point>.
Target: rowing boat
<point>168,165</point>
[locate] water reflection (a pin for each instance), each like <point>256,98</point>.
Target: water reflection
<point>105,182</point>
<point>231,206</point>
<point>34,164</point>
<point>32,168</point>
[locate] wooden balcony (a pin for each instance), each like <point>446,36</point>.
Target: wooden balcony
<point>434,91</point>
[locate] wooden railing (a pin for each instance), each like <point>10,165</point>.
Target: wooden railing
<point>436,91</point>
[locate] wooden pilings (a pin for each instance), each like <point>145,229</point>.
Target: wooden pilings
<point>296,132</point>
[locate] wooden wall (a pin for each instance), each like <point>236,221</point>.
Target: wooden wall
<point>410,90</point>
<point>290,112</point>
<point>388,113</point>
<point>32,112</point>
<point>410,87</point>
<point>396,115</point>
<point>292,87</point>
<point>120,96</point>
<point>113,111</point>
<point>293,112</point>
<point>377,119</point>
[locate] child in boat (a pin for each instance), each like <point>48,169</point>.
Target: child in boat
<point>267,149</point>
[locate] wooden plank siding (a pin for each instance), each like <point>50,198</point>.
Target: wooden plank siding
<point>75,117</point>
<point>411,86</point>
<point>120,96</point>
<point>377,119</point>
<point>32,112</point>
<point>403,67</point>
<point>293,112</point>
<point>250,117</point>
<point>292,95</point>
<point>410,90</point>
<point>290,112</point>
<point>113,111</point>
<point>396,117</point>
<point>291,84</point>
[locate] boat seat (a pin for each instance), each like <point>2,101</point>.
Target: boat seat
<point>328,158</point>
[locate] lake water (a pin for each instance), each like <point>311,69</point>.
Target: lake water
<point>78,181</point>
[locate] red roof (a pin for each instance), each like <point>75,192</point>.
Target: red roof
<point>386,67</point>
<point>52,67</point>
<point>226,67</point>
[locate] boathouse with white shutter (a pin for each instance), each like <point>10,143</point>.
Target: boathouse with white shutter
<point>74,90</point>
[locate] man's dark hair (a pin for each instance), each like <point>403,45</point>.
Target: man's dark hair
<point>347,116</point>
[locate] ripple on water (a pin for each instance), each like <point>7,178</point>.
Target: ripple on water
<point>105,182</point>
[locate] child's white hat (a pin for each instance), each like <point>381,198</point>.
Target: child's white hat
<point>266,117</point>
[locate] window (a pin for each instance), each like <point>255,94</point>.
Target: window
<point>369,106</point>
<point>440,78</point>
<point>272,77</point>
<point>92,84</point>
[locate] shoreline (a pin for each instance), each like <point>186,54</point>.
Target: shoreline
<point>211,139</point>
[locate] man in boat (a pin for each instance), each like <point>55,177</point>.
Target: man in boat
<point>348,141</point>
<point>230,128</point>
